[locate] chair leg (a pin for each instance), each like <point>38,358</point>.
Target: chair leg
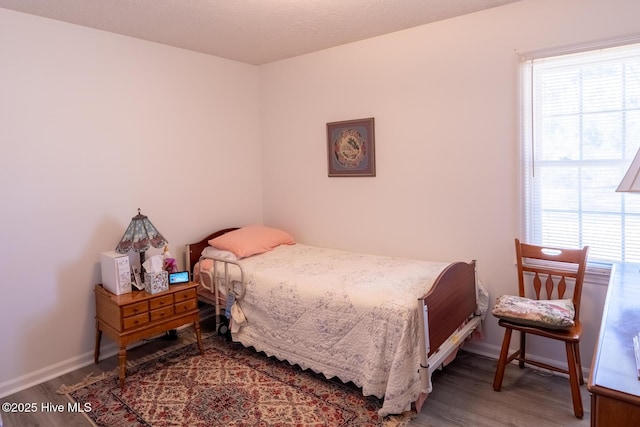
<point>576,350</point>
<point>573,379</point>
<point>502,361</point>
<point>523,346</point>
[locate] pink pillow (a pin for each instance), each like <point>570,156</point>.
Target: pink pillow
<point>252,240</point>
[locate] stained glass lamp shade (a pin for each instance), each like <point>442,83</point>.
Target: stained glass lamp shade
<point>140,236</point>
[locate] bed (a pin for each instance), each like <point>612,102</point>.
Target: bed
<point>382,323</point>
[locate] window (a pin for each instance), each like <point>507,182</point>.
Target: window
<point>580,132</point>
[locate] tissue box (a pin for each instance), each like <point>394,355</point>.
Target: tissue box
<point>156,282</point>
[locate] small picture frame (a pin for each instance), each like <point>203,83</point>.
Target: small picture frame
<point>351,148</point>
<point>136,281</point>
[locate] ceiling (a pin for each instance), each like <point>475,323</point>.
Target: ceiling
<point>252,31</point>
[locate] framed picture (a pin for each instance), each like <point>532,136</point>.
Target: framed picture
<point>135,275</point>
<point>351,148</point>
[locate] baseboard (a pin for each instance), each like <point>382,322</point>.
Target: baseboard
<point>31,379</point>
<point>493,352</point>
<point>53,371</point>
<point>481,348</point>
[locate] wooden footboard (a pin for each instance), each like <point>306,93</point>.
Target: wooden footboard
<point>446,312</point>
<point>450,302</point>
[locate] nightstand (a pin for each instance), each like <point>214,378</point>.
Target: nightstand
<point>128,318</point>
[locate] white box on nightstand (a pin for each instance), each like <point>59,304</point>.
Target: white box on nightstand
<point>116,272</point>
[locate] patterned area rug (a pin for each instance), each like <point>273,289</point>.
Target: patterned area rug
<point>228,385</point>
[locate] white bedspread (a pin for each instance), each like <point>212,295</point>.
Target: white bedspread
<point>343,314</point>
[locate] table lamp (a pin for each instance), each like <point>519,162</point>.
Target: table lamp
<point>139,237</point>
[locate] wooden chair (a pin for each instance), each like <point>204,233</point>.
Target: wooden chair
<point>547,264</point>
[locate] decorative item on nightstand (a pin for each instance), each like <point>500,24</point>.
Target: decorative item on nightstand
<point>139,237</point>
<point>168,262</point>
<point>116,273</point>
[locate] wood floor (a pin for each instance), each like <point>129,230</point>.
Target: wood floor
<point>462,395</point>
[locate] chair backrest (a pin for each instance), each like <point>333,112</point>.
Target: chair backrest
<point>554,266</point>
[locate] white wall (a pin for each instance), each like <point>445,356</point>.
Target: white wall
<point>445,101</point>
<point>93,126</point>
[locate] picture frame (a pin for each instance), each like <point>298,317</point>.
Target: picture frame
<point>137,281</point>
<point>351,148</point>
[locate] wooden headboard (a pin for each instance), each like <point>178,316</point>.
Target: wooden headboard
<point>194,250</point>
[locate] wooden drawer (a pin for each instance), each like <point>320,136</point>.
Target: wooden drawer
<point>186,305</point>
<point>135,321</point>
<point>185,295</point>
<point>137,315</point>
<point>135,309</point>
<point>159,302</point>
<point>161,313</point>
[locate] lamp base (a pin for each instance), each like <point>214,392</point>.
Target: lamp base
<point>142,266</point>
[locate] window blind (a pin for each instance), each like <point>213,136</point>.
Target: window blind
<point>580,131</point>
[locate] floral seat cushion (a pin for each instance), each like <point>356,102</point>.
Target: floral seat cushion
<point>551,314</point>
